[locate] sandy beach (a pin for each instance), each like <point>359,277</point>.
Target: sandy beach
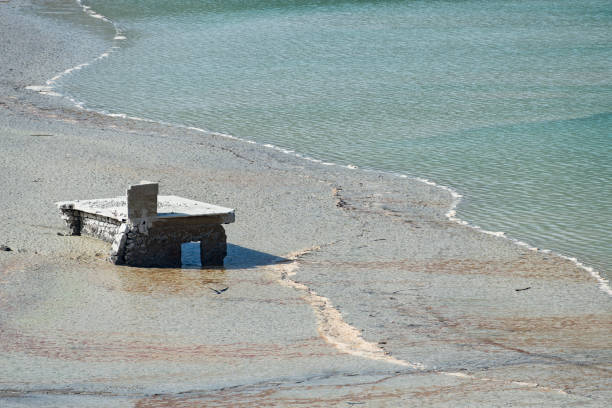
<point>346,287</point>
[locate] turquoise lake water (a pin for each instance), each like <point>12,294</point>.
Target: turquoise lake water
<point>508,102</point>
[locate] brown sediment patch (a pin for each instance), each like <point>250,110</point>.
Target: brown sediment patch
<point>283,394</point>
<point>274,398</point>
<point>158,281</point>
<point>348,394</point>
<point>545,336</point>
<point>548,338</point>
<point>459,390</point>
<point>546,355</point>
<point>479,384</point>
<point>533,267</point>
<point>497,382</point>
<point>551,338</point>
<point>107,347</point>
<point>573,379</point>
<point>181,282</point>
<point>366,393</point>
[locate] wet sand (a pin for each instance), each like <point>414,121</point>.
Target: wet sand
<point>346,287</point>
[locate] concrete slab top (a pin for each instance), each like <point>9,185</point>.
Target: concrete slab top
<point>167,206</point>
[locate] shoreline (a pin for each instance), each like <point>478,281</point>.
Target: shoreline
<point>451,214</point>
<point>379,225</point>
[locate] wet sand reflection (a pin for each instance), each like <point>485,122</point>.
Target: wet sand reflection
<point>170,281</point>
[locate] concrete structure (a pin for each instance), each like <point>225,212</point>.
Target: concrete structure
<point>147,230</point>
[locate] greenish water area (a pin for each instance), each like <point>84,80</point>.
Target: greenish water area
<point>507,102</point>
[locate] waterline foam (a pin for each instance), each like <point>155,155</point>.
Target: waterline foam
<point>451,214</point>
<point>50,84</point>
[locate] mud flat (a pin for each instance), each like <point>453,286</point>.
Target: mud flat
<point>345,287</point>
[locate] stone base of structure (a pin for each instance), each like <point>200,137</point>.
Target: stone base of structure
<point>162,247</point>
<point>148,230</point>
<point>155,243</point>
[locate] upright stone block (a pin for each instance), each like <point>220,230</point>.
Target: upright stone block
<point>142,201</point>
<point>213,246</point>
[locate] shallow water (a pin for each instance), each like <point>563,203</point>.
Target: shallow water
<point>509,102</point>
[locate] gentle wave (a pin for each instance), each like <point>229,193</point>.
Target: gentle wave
<point>50,84</point>
<point>451,214</point>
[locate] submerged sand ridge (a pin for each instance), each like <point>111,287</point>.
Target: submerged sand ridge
<point>391,304</point>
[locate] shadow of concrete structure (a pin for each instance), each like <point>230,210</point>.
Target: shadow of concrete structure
<point>238,257</point>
